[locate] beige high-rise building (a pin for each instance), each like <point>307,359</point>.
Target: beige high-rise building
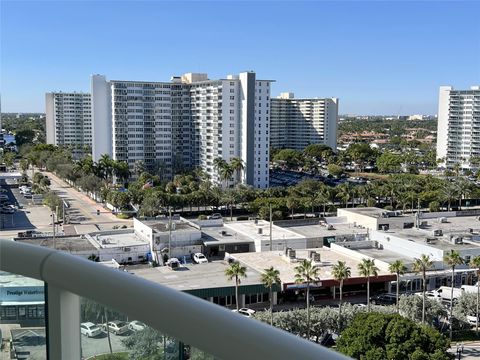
<point>297,123</point>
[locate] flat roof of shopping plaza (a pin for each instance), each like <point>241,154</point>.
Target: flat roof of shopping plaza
<point>251,230</point>
<point>372,212</point>
<point>116,239</point>
<point>385,255</point>
<point>263,260</point>
<point>455,226</point>
<point>194,276</point>
<point>69,243</point>
<point>162,225</point>
<point>314,231</point>
<point>220,235</point>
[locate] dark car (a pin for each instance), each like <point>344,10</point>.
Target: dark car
<point>383,299</point>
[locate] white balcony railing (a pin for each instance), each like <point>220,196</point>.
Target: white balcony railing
<point>194,321</point>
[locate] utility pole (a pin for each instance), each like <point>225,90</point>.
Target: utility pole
<point>53,225</point>
<point>170,232</point>
<point>271,244</point>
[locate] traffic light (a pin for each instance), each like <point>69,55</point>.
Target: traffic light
<point>98,212</point>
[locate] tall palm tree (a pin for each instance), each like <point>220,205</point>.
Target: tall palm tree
<point>453,260</point>
<point>225,174</point>
<point>475,263</point>
<point>340,273</point>
<point>423,264</point>
<point>121,170</point>
<point>237,166</point>
<point>343,193</point>
<point>236,271</point>
<point>399,268</point>
<point>306,273</point>
<point>270,277</point>
<point>106,167</point>
<point>367,269</point>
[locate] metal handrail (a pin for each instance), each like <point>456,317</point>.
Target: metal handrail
<point>194,321</point>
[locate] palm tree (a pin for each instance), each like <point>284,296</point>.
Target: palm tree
<point>399,268</point>
<point>340,273</point>
<point>237,166</point>
<point>367,269</point>
<point>343,193</point>
<point>226,173</point>
<point>236,271</point>
<point>475,263</point>
<point>453,260</point>
<point>270,277</point>
<point>106,167</point>
<point>422,264</point>
<point>306,273</point>
<point>121,170</point>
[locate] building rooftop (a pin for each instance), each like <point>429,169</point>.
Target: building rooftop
<point>194,276</point>
<point>162,225</point>
<point>219,235</point>
<point>313,231</point>
<point>251,230</point>
<point>71,243</point>
<point>115,239</point>
<point>373,212</point>
<point>263,260</point>
<point>386,256</point>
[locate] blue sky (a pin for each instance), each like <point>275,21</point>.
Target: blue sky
<point>378,57</point>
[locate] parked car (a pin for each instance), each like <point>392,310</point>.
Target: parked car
<point>117,327</point>
<point>136,325</point>
<point>215,216</point>
<point>383,299</point>
<point>199,258</point>
<point>245,311</point>
<point>173,263</point>
<point>472,320</point>
<point>3,197</point>
<point>90,329</point>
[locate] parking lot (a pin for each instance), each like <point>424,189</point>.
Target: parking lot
<point>99,345</point>
<point>26,216</point>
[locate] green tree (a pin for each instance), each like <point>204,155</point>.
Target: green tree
<point>23,137</point>
<point>453,260</point>
<point>423,264</point>
<point>398,268</point>
<point>368,269</point>
<point>289,157</point>
<point>271,277</point>
<point>341,272</point>
<point>373,336</point>
<point>237,166</point>
<point>475,263</point>
<point>389,162</point>
<point>145,344</point>
<point>334,170</point>
<point>306,273</point>
<point>411,307</point>
<point>236,271</point>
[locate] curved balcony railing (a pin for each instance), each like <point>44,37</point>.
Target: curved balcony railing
<point>194,321</point>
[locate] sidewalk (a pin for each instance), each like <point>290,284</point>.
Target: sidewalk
<point>82,202</point>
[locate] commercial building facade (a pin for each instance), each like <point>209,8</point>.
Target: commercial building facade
<point>458,135</point>
<point>69,120</point>
<point>297,123</point>
<point>185,123</point>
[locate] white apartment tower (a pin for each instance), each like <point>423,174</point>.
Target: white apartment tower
<point>297,123</point>
<point>458,132</point>
<point>187,122</point>
<point>69,120</point>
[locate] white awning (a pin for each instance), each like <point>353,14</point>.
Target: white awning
<point>15,303</point>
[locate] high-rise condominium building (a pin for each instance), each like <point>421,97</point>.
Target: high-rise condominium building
<point>187,122</point>
<point>297,123</point>
<point>69,120</point>
<point>458,133</point>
